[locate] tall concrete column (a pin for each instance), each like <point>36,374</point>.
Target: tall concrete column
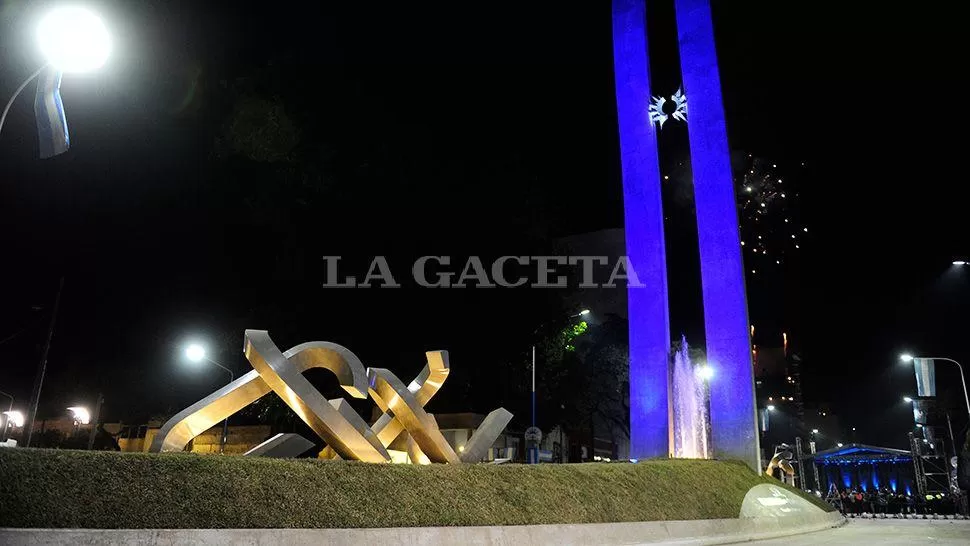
<point>733,409</point>
<point>643,219</point>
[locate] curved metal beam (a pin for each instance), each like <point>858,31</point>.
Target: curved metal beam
<point>393,397</point>
<point>424,387</point>
<point>477,446</point>
<point>178,431</point>
<point>334,421</point>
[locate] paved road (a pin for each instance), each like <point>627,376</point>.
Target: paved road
<point>886,532</point>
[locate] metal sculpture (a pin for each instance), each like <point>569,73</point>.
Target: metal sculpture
<point>281,446</point>
<point>782,461</point>
<point>404,422</point>
<point>657,105</point>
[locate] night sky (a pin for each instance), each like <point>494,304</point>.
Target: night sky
<point>487,129</point>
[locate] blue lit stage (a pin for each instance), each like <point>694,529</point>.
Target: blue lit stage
<point>865,468</point>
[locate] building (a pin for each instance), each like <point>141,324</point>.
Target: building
<point>458,428</point>
<point>782,414</point>
<point>240,438</point>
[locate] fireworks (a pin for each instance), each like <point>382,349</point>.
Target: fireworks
<point>768,212</point>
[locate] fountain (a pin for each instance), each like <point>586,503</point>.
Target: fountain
<point>691,409</point>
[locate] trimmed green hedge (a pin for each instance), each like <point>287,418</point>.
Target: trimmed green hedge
<point>82,489</point>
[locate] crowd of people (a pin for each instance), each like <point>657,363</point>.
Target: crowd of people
<point>884,503</point>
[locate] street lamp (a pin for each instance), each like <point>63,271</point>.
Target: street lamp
<point>72,39</point>
<point>814,431</point>
<point>771,407</point>
<point>705,372</point>
<point>905,357</point>
<point>80,414</point>
<point>15,418</point>
<point>12,419</point>
<point>197,353</point>
<point>907,399</point>
<point>959,262</point>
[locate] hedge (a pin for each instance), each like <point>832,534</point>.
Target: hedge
<point>83,489</point>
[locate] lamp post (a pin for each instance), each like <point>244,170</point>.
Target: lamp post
<point>97,419</point>
<point>963,381</point>
<point>41,371</point>
<point>15,418</point>
<point>81,416</point>
<point>196,353</point>
<point>72,39</point>
<point>6,417</point>
<point>582,313</point>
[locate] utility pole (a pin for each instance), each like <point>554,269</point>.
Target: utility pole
<point>96,420</point>
<point>41,371</point>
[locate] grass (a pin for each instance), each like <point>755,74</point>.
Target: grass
<point>82,489</point>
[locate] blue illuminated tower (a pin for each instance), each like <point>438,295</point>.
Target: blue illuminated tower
<point>643,212</point>
<point>733,410</point>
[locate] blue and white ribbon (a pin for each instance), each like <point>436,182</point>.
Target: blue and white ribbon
<point>49,112</point>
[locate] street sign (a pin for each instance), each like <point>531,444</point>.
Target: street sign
<point>533,434</point>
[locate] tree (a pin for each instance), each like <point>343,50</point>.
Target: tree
<point>584,377</point>
<point>271,410</point>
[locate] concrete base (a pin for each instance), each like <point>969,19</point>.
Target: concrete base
<point>697,532</point>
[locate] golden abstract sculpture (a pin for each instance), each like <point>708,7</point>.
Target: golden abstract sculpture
<point>403,423</point>
<point>199,417</point>
<point>424,386</point>
<point>396,399</point>
<point>333,420</point>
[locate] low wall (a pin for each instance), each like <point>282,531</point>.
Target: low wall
<point>100,490</point>
<point>708,531</point>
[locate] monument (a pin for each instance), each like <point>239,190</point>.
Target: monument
<point>732,404</point>
<point>404,423</point>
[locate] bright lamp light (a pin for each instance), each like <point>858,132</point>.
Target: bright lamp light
<point>74,39</point>
<point>905,357</point>
<point>907,399</point>
<point>15,418</point>
<point>195,352</point>
<point>771,407</point>
<point>81,414</point>
<point>705,372</point>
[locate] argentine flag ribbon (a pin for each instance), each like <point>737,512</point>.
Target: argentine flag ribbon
<point>925,376</point>
<point>49,112</point>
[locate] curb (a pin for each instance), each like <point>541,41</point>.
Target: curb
<point>695,532</point>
